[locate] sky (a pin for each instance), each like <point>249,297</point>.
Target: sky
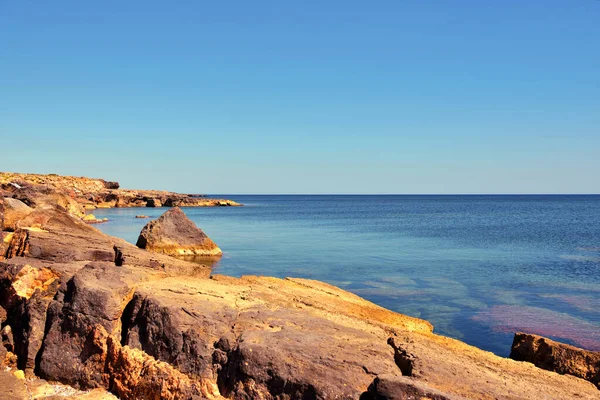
<point>403,96</point>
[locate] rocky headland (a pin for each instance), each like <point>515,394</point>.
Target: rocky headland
<point>92,193</point>
<point>88,316</point>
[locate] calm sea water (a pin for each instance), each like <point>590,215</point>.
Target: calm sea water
<point>478,268</point>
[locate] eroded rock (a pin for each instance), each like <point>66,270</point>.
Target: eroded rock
<point>14,211</point>
<point>173,233</point>
<point>557,357</point>
<point>133,374</point>
<point>85,312</point>
<point>93,193</point>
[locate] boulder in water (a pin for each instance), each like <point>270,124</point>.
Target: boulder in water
<point>175,234</point>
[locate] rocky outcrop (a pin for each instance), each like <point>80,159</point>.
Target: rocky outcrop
<point>557,357</point>
<point>90,193</point>
<point>43,254</point>
<point>175,234</point>
<point>14,211</point>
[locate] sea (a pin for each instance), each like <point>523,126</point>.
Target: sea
<point>478,267</point>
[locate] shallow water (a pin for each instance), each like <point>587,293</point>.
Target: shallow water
<point>477,267</point>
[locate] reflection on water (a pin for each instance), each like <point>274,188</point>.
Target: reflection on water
<point>477,267</point>
<point>210,261</point>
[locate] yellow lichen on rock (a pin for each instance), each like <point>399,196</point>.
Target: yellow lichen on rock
<point>30,279</point>
<point>19,374</point>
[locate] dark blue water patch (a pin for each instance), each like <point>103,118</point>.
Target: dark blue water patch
<point>472,265</point>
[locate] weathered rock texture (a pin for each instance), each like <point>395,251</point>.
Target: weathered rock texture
<point>93,193</point>
<point>14,386</point>
<point>1,213</point>
<point>175,234</point>
<point>558,357</point>
<point>94,312</point>
<point>14,211</point>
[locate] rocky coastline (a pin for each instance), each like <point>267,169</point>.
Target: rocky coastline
<point>88,316</point>
<point>92,193</point>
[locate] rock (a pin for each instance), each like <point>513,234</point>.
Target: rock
<point>86,311</point>
<point>153,202</point>
<point>12,388</point>
<point>56,237</point>
<point>173,233</point>
<point>14,211</point>
<point>91,219</point>
<point>92,193</point>
<point>394,387</point>
<point>136,375</point>
<point>63,201</point>
<point>558,357</point>
<point>142,216</point>
<point>214,331</point>
<point>110,185</point>
<point>27,292</point>
<point>7,338</point>
<point>1,215</point>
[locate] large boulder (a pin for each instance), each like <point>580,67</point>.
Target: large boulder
<point>558,357</point>
<point>175,234</point>
<point>85,312</point>
<point>14,211</point>
<point>251,338</point>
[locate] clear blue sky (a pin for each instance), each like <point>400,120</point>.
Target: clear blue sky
<point>403,96</point>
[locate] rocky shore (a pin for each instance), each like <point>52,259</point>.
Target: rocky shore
<point>88,316</point>
<point>93,193</point>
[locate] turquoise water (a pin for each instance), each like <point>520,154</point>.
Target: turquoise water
<point>478,268</point>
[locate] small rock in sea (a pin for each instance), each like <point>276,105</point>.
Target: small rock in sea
<point>142,216</point>
<point>91,219</point>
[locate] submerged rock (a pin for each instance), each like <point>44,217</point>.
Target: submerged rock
<point>175,234</point>
<point>557,357</point>
<point>541,321</point>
